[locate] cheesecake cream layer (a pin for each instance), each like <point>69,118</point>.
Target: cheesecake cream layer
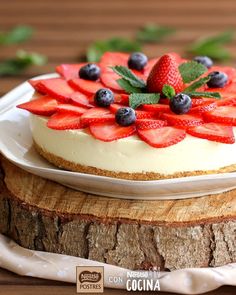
<point>131,154</point>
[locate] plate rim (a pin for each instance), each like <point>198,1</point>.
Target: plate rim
<point>10,99</point>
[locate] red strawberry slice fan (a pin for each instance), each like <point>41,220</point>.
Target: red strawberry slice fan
<point>160,100</point>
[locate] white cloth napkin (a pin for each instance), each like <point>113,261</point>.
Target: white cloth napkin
<point>63,268</point>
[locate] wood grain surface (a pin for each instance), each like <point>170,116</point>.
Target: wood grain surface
<point>52,198</point>
<point>132,234</point>
<point>64,29</point>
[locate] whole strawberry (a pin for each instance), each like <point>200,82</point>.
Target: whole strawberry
<point>165,71</point>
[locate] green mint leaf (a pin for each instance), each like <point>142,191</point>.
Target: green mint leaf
<point>96,49</point>
<point>152,33</point>
<point>137,99</point>
<point>30,58</point>
<point>191,70</point>
<point>128,75</point>
<point>168,91</point>
<point>217,53</point>
<point>127,86</point>
<point>20,62</point>
<point>213,46</point>
<point>17,35</point>
<point>203,94</point>
<point>9,68</point>
<point>197,84</point>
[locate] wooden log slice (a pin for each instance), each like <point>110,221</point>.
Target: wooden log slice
<point>42,215</point>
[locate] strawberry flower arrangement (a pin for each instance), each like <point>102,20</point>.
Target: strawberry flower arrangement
<point>160,100</point>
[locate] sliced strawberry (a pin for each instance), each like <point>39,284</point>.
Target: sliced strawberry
<point>144,124</point>
<point>108,77</point>
<point>81,99</point>
<point>224,114</point>
<point>214,132</point>
<point>230,101</point>
<point>57,88</point>
<point>184,120</point>
<point>122,98</point>
<point>226,91</point>
<point>114,107</point>
<point>139,114</point>
<point>200,101</point>
<point>165,71</point>
<point>95,115</point>
<point>139,74</point>
<point>164,101</point>
<point>36,84</point>
<point>110,131</point>
<point>70,109</point>
<point>85,86</point>
<point>149,66</point>
<point>204,107</point>
<point>110,59</point>
<point>63,121</point>
<point>162,108</point>
<point>44,106</point>
<point>228,94</point>
<point>162,137</point>
<point>69,71</point>
<point>144,114</point>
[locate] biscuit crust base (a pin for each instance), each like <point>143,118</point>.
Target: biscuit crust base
<point>64,164</point>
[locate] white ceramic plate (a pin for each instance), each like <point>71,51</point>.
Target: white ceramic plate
<point>16,145</point>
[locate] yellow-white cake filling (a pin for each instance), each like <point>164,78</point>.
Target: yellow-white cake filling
<point>131,154</point>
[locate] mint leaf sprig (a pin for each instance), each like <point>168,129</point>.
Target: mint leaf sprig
<point>197,84</point>
<point>17,35</point>
<point>124,84</point>
<point>136,86</point>
<point>191,70</point>
<point>168,91</point>
<point>129,81</point>
<point>152,33</point>
<point>213,46</point>
<point>129,76</point>
<point>20,62</point>
<point>203,94</point>
<point>138,99</point>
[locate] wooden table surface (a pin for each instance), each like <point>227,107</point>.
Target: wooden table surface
<point>64,29</point>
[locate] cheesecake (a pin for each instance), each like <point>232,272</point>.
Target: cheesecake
<point>133,118</point>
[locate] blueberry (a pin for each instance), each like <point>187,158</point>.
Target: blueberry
<point>89,72</point>
<point>125,116</point>
<point>137,61</point>
<point>204,60</point>
<point>180,103</point>
<point>217,80</point>
<point>104,97</point>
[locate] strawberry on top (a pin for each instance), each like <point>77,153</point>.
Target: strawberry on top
<point>165,71</point>
<point>160,100</point>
